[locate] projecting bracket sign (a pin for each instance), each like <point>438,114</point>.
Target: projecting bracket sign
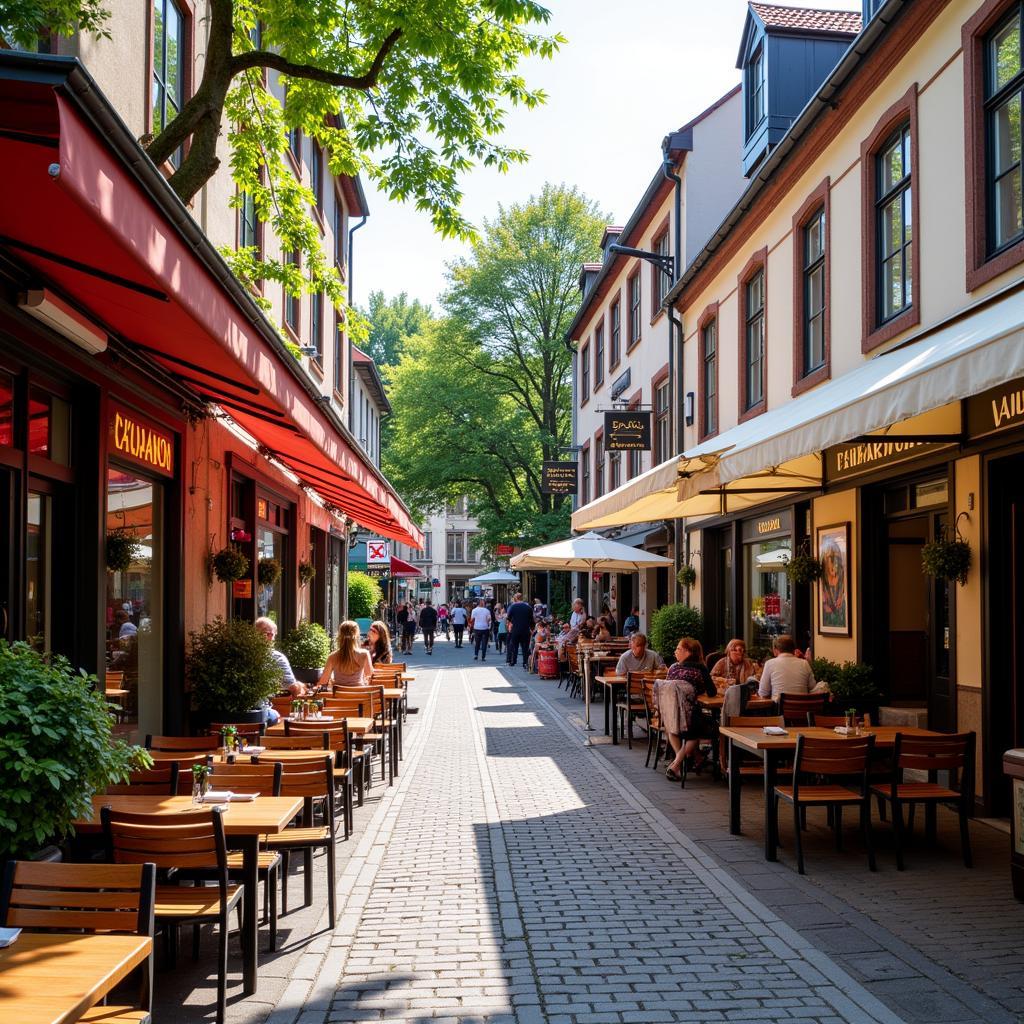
<point>378,552</point>
<point>558,478</point>
<point>627,431</point>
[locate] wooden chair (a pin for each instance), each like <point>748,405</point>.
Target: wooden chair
<point>755,767</point>
<point>632,705</point>
<point>351,769</point>
<point>795,707</point>
<point>182,744</point>
<point>113,683</point>
<point>831,721</point>
<point>372,704</point>
<point>298,741</point>
<point>190,840</point>
<point>160,780</point>
<point>283,705</point>
<point>824,759</point>
<point>655,730</point>
<point>313,780</point>
<point>932,754</point>
<point>881,767</point>
<point>249,733</point>
<point>575,678</point>
<point>108,898</point>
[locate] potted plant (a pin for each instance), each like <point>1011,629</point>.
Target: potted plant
<point>306,573</point>
<point>803,567</point>
<point>268,571</point>
<point>670,624</point>
<point>687,576</point>
<point>947,559</point>
<point>121,548</point>
<point>364,595</point>
<point>306,647</point>
<point>57,749</point>
<point>230,671</point>
<point>230,563</point>
<point>200,781</point>
<point>851,685</point>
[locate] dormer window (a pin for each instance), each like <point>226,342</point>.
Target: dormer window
<point>755,91</point>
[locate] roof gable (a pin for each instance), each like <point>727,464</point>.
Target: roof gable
<point>776,19</point>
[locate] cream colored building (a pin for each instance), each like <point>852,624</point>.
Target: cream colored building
<point>853,336</point>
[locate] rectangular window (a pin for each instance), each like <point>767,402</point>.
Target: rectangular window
<point>662,281</point>
<point>316,176</point>
<point>662,449</point>
<point>248,225</point>
<point>599,355</point>
<point>598,467</point>
<point>585,476</point>
<point>292,303</point>
<point>754,340</point>
<point>614,470</point>
<point>615,335</point>
<point>1004,84</point>
<point>755,91</point>
<point>339,354</point>
<point>634,308</point>
<point>894,228</point>
<point>585,373</point>
<point>814,293</point>
<point>339,232</point>
<point>316,321</point>
<point>454,548</point>
<point>168,85</point>
<point>709,376</point>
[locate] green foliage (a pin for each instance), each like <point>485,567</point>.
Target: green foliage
<point>229,668</point>
<point>687,576</point>
<point>670,624</point>
<point>230,563</point>
<point>24,22</point>
<point>121,548</point>
<point>268,571</point>
<point>390,322</point>
<point>803,568</point>
<point>946,559</point>
<point>307,571</point>
<point>57,748</point>
<point>849,683</point>
<point>364,594</point>
<point>306,646</point>
<point>483,397</point>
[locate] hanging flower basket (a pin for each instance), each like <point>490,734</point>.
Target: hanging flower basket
<point>268,572</point>
<point>947,559</point>
<point>306,573</point>
<point>230,564</point>
<point>121,548</point>
<point>803,567</point>
<point>687,576</point>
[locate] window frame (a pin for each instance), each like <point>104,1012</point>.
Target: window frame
<point>584,491</point>
<point>658,382</point>
<point>708,318</point>
<point>615,332</point>
<point>338,383</point>
<point>584,364</point>
<point>316,181</point>
<point>818,200</point>
<point>598,355</point>
<point>634,296</point>
<point>982,263</point>
<point>599,463</point>
<point>186,9</point>
<point>339,228</point>
<point>757,264</point>
<point>316,328</point>
<point>660,283</point>
<point>874,331</point>
<point>292,306</point>
<point>756,61</point>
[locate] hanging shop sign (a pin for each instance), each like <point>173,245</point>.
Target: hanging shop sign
<point>997,409</point>
<point>241,589</point>
<point>627,431</point>
<point>620,384</point>
<point>136,439</point>
<point>378,552</point>
<point>768,527</point>
<point>853,459</point>
<point>503,550</point>
<point>378,571</point>
<point>558,478</point>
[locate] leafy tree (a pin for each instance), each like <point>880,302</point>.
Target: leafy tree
<point>670,624</point>
<point>410,92</point>
<point>484,396</point>
<point>364,594</point>
<point>390,322</point>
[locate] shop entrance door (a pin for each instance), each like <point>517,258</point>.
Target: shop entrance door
<point>1004,693</point>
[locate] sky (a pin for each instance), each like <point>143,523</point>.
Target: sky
<point>631,72</point>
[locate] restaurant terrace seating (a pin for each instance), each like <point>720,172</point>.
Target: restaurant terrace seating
<point>795,707</point>
<point>161,779</point>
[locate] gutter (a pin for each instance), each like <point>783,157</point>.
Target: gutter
<point>840,77</point>
<point>68,73</point>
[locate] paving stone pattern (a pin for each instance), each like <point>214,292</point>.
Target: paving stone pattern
<point>511,876</point>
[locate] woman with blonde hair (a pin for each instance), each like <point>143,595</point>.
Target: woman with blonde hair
<point>350,664</point>
<point>378,641</point>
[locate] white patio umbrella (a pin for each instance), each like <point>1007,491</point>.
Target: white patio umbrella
<point>497,576</point>
<point>588,553</point>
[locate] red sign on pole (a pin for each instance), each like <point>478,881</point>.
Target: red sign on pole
<point>505,549</point>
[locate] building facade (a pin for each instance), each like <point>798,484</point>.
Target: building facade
<point>862,395</point>
<point>150,413</point>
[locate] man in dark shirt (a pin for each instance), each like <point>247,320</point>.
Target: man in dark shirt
<point>518,623</point>
<point>428,623</point>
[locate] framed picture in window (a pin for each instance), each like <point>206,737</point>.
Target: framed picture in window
<point>834,615</point>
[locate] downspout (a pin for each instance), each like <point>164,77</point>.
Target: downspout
<point>351,389</point>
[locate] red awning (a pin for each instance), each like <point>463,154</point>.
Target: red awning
<point>75,212</point>
<point>402,569</point>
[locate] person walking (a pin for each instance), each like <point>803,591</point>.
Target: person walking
<point>401,618</point>
<point>481,619</point>
<point>442,621</point>
<point>428,623</point>
<point>459,619</point>
<point>519,623</point>
<point>500,630</point>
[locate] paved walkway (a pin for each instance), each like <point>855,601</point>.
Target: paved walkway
<point>514,876</point>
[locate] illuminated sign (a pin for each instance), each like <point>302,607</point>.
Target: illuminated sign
<point>769,525</point>
<point>628,431</point>
<point>133,438</point>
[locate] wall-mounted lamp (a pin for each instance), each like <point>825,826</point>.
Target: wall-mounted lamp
<point>688,408</point>
<point>53,311</point>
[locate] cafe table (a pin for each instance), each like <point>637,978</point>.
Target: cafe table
<point>244,823</point>
<point>611,683</point>
<point>356,725</point>
<point>771,750</point>
<point>54,978</point>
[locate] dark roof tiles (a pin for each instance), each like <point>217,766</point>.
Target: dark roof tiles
<point>807,19</point>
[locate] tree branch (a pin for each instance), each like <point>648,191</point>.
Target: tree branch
<point>267,59</point>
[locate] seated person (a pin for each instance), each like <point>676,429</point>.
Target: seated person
<point>350,664</point>
<point>677,697</point>
<point>632,623</point>
<point>602,634</point>
<point>541,640</point>
<point>566,638</point>
<point>786,673</point>
<point>638,658</point>
<point>589,628</point>
<point>735,666</point>
<point>124,625</point>
<point>268,627</point>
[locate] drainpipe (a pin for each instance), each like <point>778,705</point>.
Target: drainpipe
<point>351,389</point>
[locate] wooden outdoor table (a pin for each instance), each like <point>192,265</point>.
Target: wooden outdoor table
<point>771,749</point>
<point>244,823</point>
<point>714,704</point>
<point>357,726</point>
<point>54,978</point>
<point>610,684</point>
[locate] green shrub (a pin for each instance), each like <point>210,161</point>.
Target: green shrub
<point>854,685</point>
<point>364,594</point>
<point>56,748</point>
<point>229,668</point>
<point>825,670</point>
<point>306,646</point>
<point>670,624</point>
<point>230,563</point>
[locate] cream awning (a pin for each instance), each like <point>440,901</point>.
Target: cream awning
<point>910,391</point>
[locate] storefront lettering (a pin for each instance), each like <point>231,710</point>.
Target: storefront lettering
<point>999,408</point>
<point>142,443</point>
<point>1011,406</point>
<point>863,454</point>
<point>769,525</point>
